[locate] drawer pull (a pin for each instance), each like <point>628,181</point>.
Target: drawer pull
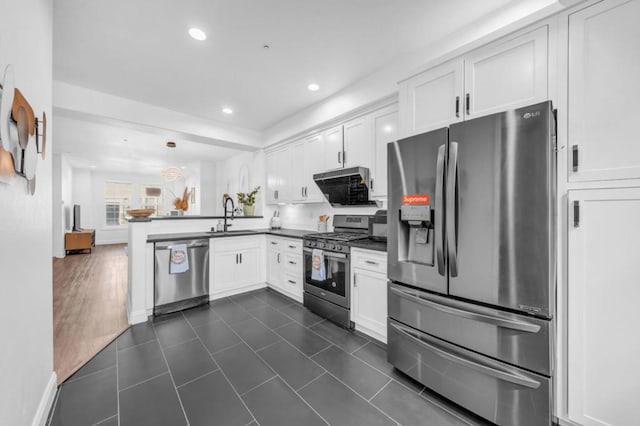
<point>371,262</point>
<point>274,243</point>
<point>474,364</point>
<point>292,282</point>
<point>292,246</point>
<point>292,262</point>
<point>497,321</point>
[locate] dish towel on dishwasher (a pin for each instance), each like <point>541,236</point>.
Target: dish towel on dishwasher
<point>178,260</point>
<point>318,271</point>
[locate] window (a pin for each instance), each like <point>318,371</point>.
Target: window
<point>151,198</point>
<point>117,199</point>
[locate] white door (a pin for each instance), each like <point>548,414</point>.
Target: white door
<point>313,163</point>
<point>506,74</point>
<point>224,271</point>
<point>370,300</point>
<point>385,130</point>
<point>298,172</point>
<point>248,267</point>
<point>274,266</point>
<point>603,299</point>
<point>358,145</point>
<point>604,89</point>
<point>432,99</point>
<point>272,177</point>
<point>333,148</point>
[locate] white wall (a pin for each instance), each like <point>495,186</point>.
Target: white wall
<point>26,329</point>
<point>207,193</point>
<point>62,202</point>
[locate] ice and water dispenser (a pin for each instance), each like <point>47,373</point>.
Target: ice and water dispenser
<point>415,236</point>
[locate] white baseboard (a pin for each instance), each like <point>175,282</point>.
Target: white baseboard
<point>233,292</point>
<point>40,418</point>
<point>295,297</point>
<point>135,317</point>
<point>372,333</point>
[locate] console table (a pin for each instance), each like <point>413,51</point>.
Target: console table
<point>77,241</point>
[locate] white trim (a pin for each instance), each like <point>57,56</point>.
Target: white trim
<point>136,317</point>
<point>233,292</point>
<point>42,413</point>
<point>290,295</point>
<point>371,333</point>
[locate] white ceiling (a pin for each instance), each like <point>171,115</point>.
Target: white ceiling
<point>103,147</point>
<point>141,50</point>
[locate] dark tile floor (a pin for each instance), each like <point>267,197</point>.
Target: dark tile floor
<point>258,358</point>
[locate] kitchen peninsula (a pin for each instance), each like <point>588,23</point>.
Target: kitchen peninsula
<point>249,236</point>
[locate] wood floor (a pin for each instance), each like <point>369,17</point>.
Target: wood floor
<point>89,292</point>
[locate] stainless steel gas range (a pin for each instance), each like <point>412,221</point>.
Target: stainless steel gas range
<point>327,264</point>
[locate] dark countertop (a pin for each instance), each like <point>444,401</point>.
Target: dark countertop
<point>152,218</point>
<point>287,233</point>
<point>369,245</point>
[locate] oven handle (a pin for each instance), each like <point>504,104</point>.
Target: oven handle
<point>328,254</point>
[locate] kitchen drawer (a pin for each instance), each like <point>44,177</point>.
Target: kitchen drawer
<point>499,392</point>
<point>372,261</point>
<point>274,242</point>
<point>293,263</point>
<point>292,283</point>
<point>516,339</point>
<point>292,246</point>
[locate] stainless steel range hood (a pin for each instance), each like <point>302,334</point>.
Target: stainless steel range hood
<point>345,187</point>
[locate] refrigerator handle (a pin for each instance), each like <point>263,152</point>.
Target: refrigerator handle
<point>451,201</point>
<point>439,210</point>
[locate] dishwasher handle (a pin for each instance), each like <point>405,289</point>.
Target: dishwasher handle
<point>196,245</point>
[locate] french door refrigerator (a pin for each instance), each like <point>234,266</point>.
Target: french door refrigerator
<point>471,252</point>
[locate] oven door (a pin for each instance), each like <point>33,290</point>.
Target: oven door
<point>336,287</point>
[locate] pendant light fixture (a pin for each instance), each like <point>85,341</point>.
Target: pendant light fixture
<point>170,173</point>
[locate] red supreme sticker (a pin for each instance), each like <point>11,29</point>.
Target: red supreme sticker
<point>415,199</point>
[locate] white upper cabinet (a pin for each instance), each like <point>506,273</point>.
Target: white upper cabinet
<point>604,88</point>
<point>358,145</point>
<point>503,75</point>
<point>313,161</point>
<point>433,99</point>
<point>506,74</point>
<point>604,293</point>
<point>279,176</point>
<point>333,148</point>
<point>385,130</point>
<point>298,172</point>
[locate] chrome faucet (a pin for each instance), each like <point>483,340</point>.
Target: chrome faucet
<point>226,227</point>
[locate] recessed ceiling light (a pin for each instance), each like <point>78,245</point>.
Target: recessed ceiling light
<point>227,110</point>
<point>313,87</point>
<point>197,34</point>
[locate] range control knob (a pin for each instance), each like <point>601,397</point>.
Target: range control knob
<point>331,246</point>
<point>320,245</point>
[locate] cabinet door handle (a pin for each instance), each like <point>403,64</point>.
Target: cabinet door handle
<point>355,281</point>
<point>240,257</point>
<point>339,157</point>
<point>278,257</point>
<point>305,191</point>
<point>371,184</point>
<point>344,157</point>
<point>468,101</point>
<point>457,106</point>
<point>236,258</point>
<point>371,262</point>
<point>275,194</point>
<point>574,158</point>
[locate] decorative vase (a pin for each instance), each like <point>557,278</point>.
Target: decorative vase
<point>249,210</point>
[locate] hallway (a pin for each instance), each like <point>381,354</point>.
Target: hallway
<point>89,293</point>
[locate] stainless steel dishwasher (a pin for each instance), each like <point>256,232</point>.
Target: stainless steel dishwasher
<point>177,291</point>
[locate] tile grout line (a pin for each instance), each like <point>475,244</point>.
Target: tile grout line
<point>381,389</point>
<point>199,377</point>
<point>143,381</point>
<point>280,377</point>
<point>258,385</point>
<point>90,374</point>
<point>311,381</point>
<point>104,420</point>
<point>223,373</point>
<point>184,413</point>
<point>356,350</point>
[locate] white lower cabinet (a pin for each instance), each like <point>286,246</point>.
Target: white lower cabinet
<point>369,292</point>
<point>603,297</point>
<point>284,266</point>
<point>236,265</point>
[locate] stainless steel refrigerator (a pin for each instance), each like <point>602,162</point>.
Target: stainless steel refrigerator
<point>471,252</point>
